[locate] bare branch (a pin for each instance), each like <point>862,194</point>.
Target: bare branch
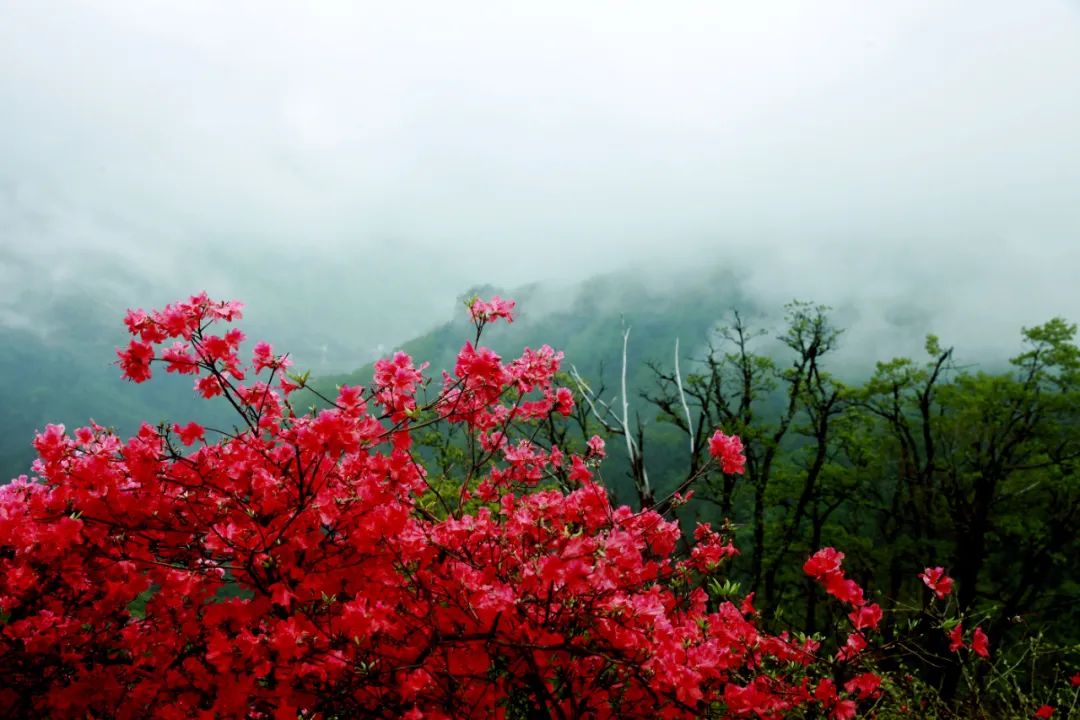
<point>633,450</point>
<point>587,393</point>
<point>682,397</point>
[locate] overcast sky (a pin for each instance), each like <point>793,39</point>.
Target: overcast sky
<point>356,166</point>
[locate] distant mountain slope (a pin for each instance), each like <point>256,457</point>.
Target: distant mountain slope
<point>57,344</point>
<point>63,373</point>
<point>58,365</point>
<point>586,324</point>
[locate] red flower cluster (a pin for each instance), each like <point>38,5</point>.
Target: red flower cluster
<point>825,567</point>
<point>728,449</point>
<point>980,644</point>
<point>488,310</point>
<point>306,565</point>
<point>936,579</point>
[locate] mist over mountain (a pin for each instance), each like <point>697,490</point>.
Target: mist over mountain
<point>348,171</point>
<point>61,331</point>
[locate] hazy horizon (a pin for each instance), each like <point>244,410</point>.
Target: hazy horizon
<point>349,169</point>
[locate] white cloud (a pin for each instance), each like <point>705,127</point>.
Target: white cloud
<point>888,151</point>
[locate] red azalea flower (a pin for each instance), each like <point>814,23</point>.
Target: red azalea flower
<point>728,449</point>
<point>936,579</point>
<point>979,643</point>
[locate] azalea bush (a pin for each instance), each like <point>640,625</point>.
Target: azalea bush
<point>309,565</point>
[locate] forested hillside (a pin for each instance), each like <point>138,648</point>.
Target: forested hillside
<point>906,463</point>
<point>967,466</point>
<point>899,460</point>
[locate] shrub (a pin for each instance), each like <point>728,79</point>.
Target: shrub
<point>308,564</point>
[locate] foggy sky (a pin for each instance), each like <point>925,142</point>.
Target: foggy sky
<point>353,167</point>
